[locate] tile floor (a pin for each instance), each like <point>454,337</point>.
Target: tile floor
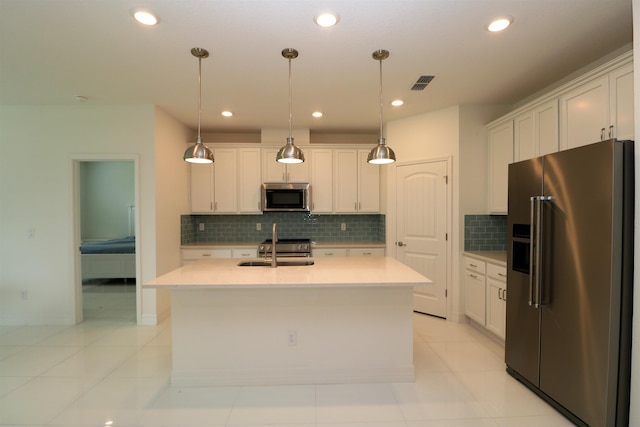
<point>108,371</point>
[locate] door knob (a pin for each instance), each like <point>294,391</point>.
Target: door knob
<point>401,244</point>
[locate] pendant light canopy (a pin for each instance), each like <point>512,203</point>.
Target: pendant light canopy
<point>289,153</point>
<point>199,153</point>
<point>381,154</point>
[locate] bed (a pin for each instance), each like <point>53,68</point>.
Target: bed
<point>109,259</point>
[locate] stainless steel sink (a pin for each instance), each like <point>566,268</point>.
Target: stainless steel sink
<point>261,263</point>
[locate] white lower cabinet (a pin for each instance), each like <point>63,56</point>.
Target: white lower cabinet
<point>496,303</point>
<point>324,252</point>
<point>474,289</point>
<point>485,291</point>
<point>191,255</point>
<point>338,252</point>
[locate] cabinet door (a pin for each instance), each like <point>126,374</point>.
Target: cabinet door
<point>272,171</point>
<point>584,111</point>
<point>332,252</point>
<point>299,172</point>
<point>500,155</point>
<point>368,184</point>
<point>621,102</point>
<point>225,181</point>
<point>366,252</point>
<point>249,180</point>
<point>496,307</point>
<point>546,128</point>
<point>201,188</point>
<point>474,296</point>
<point>322,180</point>
<point>345,181</point>
<point>524,145</point>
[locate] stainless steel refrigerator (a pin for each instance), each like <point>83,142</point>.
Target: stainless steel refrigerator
<point>570,279</point>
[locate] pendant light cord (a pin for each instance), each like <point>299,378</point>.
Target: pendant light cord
<point>290,115</point>
<point>381,121</point>
<point>199,94</point>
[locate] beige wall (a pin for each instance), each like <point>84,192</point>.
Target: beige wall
<point>38,194</point>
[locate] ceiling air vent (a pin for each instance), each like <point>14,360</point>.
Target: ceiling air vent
<point>422,82</point>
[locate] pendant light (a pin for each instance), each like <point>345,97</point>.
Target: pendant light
<point>381,154</point>
<point>289,153</point>
<point>199,153</point>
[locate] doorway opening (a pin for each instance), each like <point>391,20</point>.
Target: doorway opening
<point>105,224</point>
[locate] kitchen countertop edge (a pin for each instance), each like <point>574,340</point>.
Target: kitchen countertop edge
<point>324,244</point>
<point>494,257</point>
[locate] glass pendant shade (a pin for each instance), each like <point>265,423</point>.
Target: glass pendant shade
<point>381,154</point>
<point>198,153</point>
<point>290,153</point>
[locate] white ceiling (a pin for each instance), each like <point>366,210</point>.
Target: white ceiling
<point>52,50</point>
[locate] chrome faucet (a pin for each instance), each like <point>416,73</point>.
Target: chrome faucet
<point>274,239</point>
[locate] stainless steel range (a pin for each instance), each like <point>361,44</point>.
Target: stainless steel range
<point>286,248</point>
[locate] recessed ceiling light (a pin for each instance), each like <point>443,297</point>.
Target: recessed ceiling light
<point>145,17</point>
<point>317,114</point>
<point>327,19</point>
<point>227,113</point>
<point>397,102</point>
<point>500,24</point>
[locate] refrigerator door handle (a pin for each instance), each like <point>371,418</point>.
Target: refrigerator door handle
<point>532,250</point>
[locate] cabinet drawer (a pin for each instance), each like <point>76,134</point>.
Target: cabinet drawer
<point>244,253</point>
<point>497,272</point>
<point>473,264</point>
<point>194,254</point>
<point>329,252</point>
<point>366,252</point>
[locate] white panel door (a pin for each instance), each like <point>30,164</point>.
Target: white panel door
<point>422,207</point>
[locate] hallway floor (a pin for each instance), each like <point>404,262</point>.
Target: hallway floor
<point>108,371</point>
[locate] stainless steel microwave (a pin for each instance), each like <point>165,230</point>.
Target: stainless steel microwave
<point>286,197</point>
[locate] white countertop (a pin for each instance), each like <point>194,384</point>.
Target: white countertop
<point>326,272</point>
<point>314,244</point>
<point>495,257</point>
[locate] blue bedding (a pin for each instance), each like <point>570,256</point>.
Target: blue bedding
<point>126,245</point>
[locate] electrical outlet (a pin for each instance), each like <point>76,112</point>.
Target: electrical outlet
<point>343,226</point>
<point>201,226</point>
<point>292,338</point>
<point>258,226</point>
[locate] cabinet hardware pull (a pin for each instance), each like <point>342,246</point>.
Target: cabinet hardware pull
<point>500,293</point>
<point>366,253</point>
<point>602,134</point>
<point>474,276</point>
<point>473,265</point>
<point>504,295</point>
<point>502,275</point>
<point>610,131</point>
<point>206,254</point>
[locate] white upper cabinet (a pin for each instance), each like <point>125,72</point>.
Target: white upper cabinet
<point>225,180</point>
<point>230,185</point>
<point>249,180</point>
<point>536,131</point>
<point>584,113</point>
<point>500,155</point>
<point>599,109</point>
<point>356,183</point>
<point>272,171</point>
<point>214,186</point>
<point>322,180</point>
<point>621,102</point>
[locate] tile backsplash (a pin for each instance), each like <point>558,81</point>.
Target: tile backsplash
<point>242,228</point>
<point>485,232</point>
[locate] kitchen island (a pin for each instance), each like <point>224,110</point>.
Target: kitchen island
<point>341,320</point>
